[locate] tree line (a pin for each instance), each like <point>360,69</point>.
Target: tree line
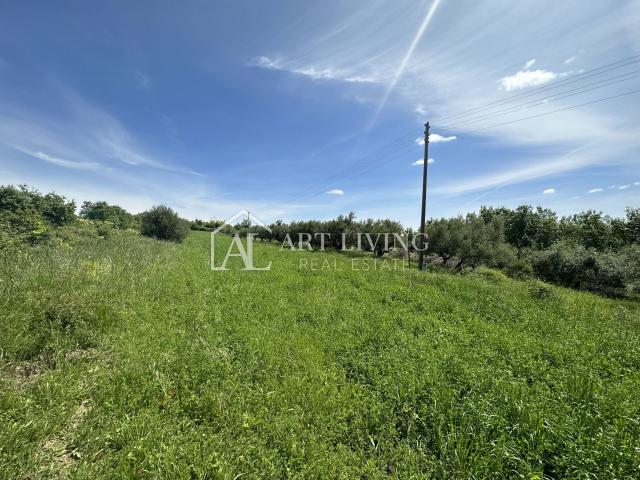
<point>28,217</point>
<point>588,250</point>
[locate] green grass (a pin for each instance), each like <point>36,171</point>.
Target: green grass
<point>129,358</point>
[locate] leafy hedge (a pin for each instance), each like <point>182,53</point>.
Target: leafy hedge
<point>575,266</point>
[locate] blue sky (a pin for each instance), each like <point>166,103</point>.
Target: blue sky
<point>310,109</point>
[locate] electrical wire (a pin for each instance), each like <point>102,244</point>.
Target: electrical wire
<point>590,73</point>
<point>537,102</point>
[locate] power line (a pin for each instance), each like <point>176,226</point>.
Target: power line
<point>590,73</point>
<point>554,111</point>
<point>580,77</point>
<point>375,164</point>
<point>391,150</point>
<point>555,97</point>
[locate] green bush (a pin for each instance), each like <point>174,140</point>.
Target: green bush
<point>117,216</point>
<point>519,268</point>
<point>585,269</point>
<point>27,217</point>
<point>540,290</point>
<point>162,223</point>
<point>489,274</point>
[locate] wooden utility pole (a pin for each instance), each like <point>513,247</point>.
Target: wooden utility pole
<point>421,264</point>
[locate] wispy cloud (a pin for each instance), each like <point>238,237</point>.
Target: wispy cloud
<point>529,64</point>
<point>540,169</point>
<point>526,79</point>
<point>420,110</point>
<point>59,161</point>
<point>570,60</point>
<point>549,191</point>
<point>595,190</point>
<point>312,72</point>
<point>79,130</point>
<point>623,187</point>
<point>407,57</point>
<point>335,191</point>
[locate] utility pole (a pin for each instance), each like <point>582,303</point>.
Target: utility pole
<point>421,264</point>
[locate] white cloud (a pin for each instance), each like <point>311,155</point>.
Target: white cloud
<point>312,71</point>
<point>436,138</point>
<point>525,79</point>
<point>420,110</point>
<point>549,191</point>
<point>265,62</point>
<point>636,183</point>
<point>335,191</point>
<point>59,161</point>
<point>623,187</point>
<point>78,130</point>
<point>570,60</point>
<point>421,161</point>
<point>529,64</point>
<point>595,190</point>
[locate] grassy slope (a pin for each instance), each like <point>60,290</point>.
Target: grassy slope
<point>130,358</point>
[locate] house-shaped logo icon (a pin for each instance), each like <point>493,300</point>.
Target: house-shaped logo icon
<point>246,254</point>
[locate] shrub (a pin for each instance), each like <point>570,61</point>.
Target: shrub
<point>491,275</point>
<point>540,290</point>
<point>519,268</point>
<point>28,217</point>
<point>162,223</point>
<point>586,269</point>
<point>117,216</point>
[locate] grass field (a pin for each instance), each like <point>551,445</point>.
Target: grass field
<point>129,358</point>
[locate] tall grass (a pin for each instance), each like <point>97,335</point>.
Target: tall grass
<point>129,358</point>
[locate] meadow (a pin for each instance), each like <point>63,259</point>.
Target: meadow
<point>127,357</point>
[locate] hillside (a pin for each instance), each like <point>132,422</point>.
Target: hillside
<point>128,357</point>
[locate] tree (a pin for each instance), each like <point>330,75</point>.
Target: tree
<point>632,225</point>
<point>590,229</point>
<point>162,223</point>
<point>526,226</point>
<point>481,243</point>
<point>445,237</point>
<point>56,210</point>
<point>103,212</point>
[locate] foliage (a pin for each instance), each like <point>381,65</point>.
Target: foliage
<point>28,217</point>
<point>162,223</point>
<point>205,226</point>
<point>472,240</point>
<point>525,227</point>
<point>582,268</point>
<point>100,211</point>
<point>341,233</point>
<point>540,290</point>
<point>588,250</point>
